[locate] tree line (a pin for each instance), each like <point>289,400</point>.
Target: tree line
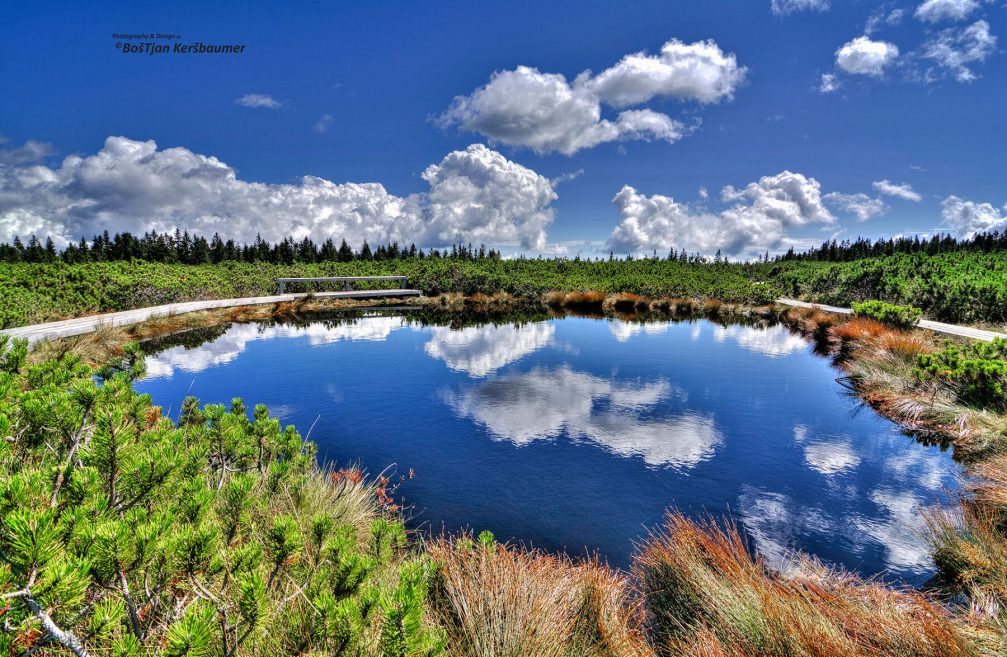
<point>862,248</point>
<point>182,248</point>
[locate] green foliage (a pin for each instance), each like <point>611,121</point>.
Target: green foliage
<point>34,293</point>
<point>192,635</point>
<point>403,631</point>
<point>487,540</point>
<point>950,287</point>
<point>216,537</point>
<point>977,372</point>
<point>967,286</point>
<point>903,317</point>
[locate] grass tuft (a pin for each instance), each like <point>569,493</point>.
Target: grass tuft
<point>706,595</point>
<point>625,302</point>
<point>495,599</point>
<point>860,328</point>
<point>588,300</point>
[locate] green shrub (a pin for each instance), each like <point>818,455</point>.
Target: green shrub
<point>902,317</point>
<point>976,372</point>
<point>124,533</point>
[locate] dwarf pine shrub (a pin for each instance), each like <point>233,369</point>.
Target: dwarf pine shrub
<point>977,372</point>
<point>123,532</point>
<point>903,317</point>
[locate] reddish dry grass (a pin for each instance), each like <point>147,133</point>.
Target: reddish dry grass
<point>712,307</point>
<point>504,600</point>
<point>683,305</point>
<point>860,329</point>
<point>553,299</point>
<point>625,302</point>
<point>479,299</point>
<point>904,345</point>
<point>803,313</point>
<point>705,595</point>
<point>662,305</point>
<point>584,300</point>
<point>820,319</point>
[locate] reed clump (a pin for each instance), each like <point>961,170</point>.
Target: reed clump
<point>454,301</point>
<point>589,300</point>
<point>969,542</point>
<point>554,299</point>
<point>95,348</point>
<point>860,329</point>
<point>905,346</point>
<point>496,599</point>
<point>662,305</point>
<point>478,299</point>
<point>683,305</point>
<point>712,307</point>
<point>706,595</point>
<point>625,302</point>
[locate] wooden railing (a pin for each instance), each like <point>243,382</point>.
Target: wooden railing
<point>347,280</point>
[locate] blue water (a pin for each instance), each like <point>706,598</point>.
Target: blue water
<point>579,433</point>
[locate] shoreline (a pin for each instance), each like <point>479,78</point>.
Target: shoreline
<point>876,360</point>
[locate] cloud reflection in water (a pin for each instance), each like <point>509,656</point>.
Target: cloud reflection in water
<point>233,342</point>
<point>547,402</point>
<point>479,351</point>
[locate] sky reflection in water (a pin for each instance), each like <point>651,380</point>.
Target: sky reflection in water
<point>578,433</point>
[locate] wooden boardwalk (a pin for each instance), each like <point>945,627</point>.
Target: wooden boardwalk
<point>80,325</point>
<point>939,327</point>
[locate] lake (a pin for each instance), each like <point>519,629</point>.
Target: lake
<point>577,433</point>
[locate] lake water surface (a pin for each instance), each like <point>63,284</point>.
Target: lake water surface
<point>579,433</point>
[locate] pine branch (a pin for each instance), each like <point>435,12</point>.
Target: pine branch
<point>15,594</point>
<point>70,458</point>
<point>65,638</point>
<point>134,617</point>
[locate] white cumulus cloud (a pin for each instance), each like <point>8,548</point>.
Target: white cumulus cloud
<point>698,71</point>
<point>934,11</point>
<point>969,217</point>
<point>758,218</point>
<point>548,113</point>
<point>864,56</point>
<point>258,100</point>
<point>478,195</point>
<point>235,341</point>
<point>903,191</point>
<point>774,342</point>
<point>475,195</point>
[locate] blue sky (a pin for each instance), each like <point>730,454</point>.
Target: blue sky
<point>930,116</point>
